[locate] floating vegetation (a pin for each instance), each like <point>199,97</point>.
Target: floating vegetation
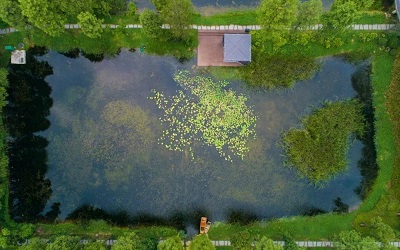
<point>319,150</point>
<point>206,112</point>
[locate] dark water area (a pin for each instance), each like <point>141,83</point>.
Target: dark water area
<point>94,160</point>
<point>28,106</point>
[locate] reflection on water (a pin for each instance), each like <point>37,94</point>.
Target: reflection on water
<point>103,147</point>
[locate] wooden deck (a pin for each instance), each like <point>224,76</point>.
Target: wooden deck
<point>210,51</point>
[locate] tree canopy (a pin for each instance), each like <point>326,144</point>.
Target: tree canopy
<point>201,242</point>
<point>44,15</point>
<point>242,241</point>
<point>151,23</point>
<point>276,18</point>
<point>178,14</point>
<point>353,240</point>
<point>205,111</point>
<point>90,25</point>
<point>267,244</point>
<point>133,242</point>
<point>10,12</point>
<point>309,13</point>
<point>65,243</point>
<point>172,243</point>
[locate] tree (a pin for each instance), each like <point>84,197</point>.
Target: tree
<point>309,13</point>
<point>340,16</point>
<point>290,244</point>
<point>206,112</point>
<point>65,243</point>
<point>381,231</point>
<point>276,18</point>
<point>90,25</point>
<point>133,242</point>
<point>352,240</point>
<point>118,6</point>
<point>319,151</point>
<point>45,15</point>
<point>242,241</point>
<point>201,242</point>
<point>178,14</point>
<point>95,245</point>
<point>363,4</point>
<point>34,244</point>
<point>10,12</point>
<point>159,4</point>
<point>173,243</point>
<point>267,244</point>
<point>151,23</point>
<point>132,9</point>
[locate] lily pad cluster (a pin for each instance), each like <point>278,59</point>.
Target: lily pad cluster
<point>205,111</point>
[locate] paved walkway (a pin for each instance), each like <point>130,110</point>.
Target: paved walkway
<point>299,243</point>
<point>223,27</point>
<point>228,243</point>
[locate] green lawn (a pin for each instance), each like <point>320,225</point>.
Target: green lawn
<point>241,17</point>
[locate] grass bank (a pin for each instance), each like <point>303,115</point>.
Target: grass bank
<point>385,200</point>
<point>101,230</point>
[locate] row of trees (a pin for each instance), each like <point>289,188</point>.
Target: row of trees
<point>282,20</point>
<point>177,13</point>
<point>243,240</point>
<point>50,16</point>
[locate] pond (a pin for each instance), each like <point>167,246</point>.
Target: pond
<point>92,160</point>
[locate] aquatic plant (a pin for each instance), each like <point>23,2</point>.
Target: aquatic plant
<point>319,150</point>
<point>205,111</point>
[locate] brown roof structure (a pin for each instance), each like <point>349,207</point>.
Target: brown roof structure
<point>210,51</point>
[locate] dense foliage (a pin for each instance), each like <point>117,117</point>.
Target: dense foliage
<point>318,151</point>
<point>381,232</point>
<point>242,241</point>
<point>50,16</point>
<point>201,242</point>
<point>172,243</point>
<point>205,111</point>
<point>90,25</point>
<point>267,244</point>
<point>134,242</point>
<point>151,23</point>
<point>178,14</point>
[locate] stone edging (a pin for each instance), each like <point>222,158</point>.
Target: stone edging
<point>222,27</point>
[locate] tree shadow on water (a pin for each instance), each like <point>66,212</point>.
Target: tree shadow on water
<point>26,113</point>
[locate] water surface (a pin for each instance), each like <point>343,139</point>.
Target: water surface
<point>94,160</point>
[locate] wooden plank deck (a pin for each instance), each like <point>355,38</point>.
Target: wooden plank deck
<point>210,51</point>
